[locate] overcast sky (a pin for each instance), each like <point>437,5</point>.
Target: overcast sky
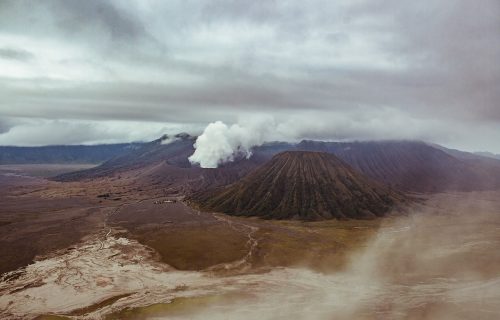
<point>106,71</point>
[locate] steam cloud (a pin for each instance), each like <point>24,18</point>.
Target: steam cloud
<point>220,143</point>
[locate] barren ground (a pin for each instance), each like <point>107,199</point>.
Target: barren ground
<point>113,249</point>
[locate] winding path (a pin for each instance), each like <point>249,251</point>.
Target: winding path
<point>251,244</point>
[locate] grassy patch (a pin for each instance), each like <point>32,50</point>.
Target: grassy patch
<point>196,248</point>
<point>324,246</point>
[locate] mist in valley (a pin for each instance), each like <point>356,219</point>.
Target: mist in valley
<point>438,262</point>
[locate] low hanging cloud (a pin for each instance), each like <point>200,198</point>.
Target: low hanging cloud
<point>5,125</point>
<point>36,132</point>
<point>15,54</point>
<point>220,142</point>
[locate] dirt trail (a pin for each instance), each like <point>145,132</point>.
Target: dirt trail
<point>244,264</point>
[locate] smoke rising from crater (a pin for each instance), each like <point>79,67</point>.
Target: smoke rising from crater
<point>220,143</point>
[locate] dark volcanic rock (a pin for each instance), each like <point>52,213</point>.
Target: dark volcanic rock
<point>302,185</point>
<point>175,153</point>
<point>403,165</point>
<point>413,166</point>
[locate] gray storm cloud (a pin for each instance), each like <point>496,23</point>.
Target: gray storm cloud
<point>431,63</point>
<point>36,132</point>
<point>5,126</point>
<point>15,54</point>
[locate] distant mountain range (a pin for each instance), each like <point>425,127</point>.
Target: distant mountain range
<point>404,165</point>
<point>64,154</point>
<point>415,166</point>
<point>488,154</point>
<point>309,180</point>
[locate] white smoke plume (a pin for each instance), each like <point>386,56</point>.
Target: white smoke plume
<point>220,143</point>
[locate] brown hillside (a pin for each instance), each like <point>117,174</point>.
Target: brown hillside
<point>302,185</point>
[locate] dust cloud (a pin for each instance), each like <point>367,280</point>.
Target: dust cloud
<point>439,262</point>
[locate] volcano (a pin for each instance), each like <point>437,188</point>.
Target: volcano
<point>302,185</point>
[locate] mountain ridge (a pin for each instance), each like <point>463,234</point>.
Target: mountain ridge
<point>64,154</point>
<point>406,165</point>
<point>305,185</point>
